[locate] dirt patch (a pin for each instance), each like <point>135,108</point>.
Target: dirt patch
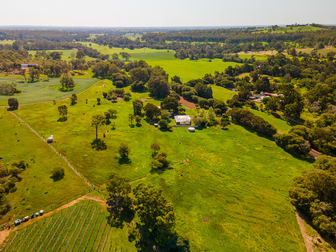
<point>308,240</point>
<point>187,104</point>
<point>3,235</point>
<point>314,153</point>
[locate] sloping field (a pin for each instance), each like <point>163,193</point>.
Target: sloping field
<point>186,69</point>
<point>229,187</point>
<point>36,190</point>
<point>82,227</point>
<point>42,91</point>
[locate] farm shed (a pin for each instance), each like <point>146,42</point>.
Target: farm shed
<point>27,66</point>
<point>50,139</point>
<point>182,120</point>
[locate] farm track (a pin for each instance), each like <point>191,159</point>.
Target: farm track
<point>53,149</point>
<point>10,244</point>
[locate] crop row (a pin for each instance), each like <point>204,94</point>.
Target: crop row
<point>82,227</point>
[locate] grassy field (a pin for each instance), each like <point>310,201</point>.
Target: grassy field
<point>221,93</point>
<point>42,91</point>
<point>82,227</point>
<point>6,42</point>
<point>186,69</point>
<point>289,29</point>
<point>229,188</point>
<point>36,190</point>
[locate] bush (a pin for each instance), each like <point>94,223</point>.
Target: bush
<point>57,174</point>
<point>13,104</point>
<point>98,145</point>
<point>160,161</point>
<point>123,151</point>
<point>247,119</point>
<point>164,124</point>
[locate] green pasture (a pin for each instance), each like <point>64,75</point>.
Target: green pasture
<point>6,42</point>
<point>187,69</point>
<point>289,29</point>
<point>229,187</point>
<point>82,227</point>
<point>36,190</point>
<point>42,91</point>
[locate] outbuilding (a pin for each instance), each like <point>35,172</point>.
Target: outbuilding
<point>191,129</point>
<point>50,139</point>
<point>182,120</point>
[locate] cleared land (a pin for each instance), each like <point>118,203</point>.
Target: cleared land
<point>36,190</point>
<point>82,227</point>
<point>229,188</point>
<point>186,69</point>
<point>42,91</point>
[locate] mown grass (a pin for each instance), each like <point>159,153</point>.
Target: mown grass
<point>36,190</point>
<point>43,91</point>
<point>71,229</point>
<point>186,69</point>
<point>229,187</point>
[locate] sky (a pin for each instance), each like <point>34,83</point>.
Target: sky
<point>162,13</point>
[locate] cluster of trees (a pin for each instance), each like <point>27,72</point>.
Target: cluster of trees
<point>9,176</point>
<point>207,43</point>
<point>319,135</point>
<point>113,94</point>
<point>150,218</point>
<point>8,89</point>
<point>250,121</point>
<point>138,74</point>
<point>314,193</point>
<point>155,114</point>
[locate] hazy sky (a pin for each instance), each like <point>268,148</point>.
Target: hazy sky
<point>165,12</point>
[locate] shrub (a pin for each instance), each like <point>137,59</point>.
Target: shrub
<point>124,152</point>
<point>98,144</point>
<point>164,124</point>
<point>13,104</point>
<point>57,174</point>
<point>155,148</point>
<point>160,161</point>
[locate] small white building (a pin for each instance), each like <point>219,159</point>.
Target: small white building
<point>182,120</point>
<point>50,139</point>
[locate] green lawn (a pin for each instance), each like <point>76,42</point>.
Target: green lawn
<point>43,91</point>
<point>82,227</point>
<point>229,187</point>
<point>36,190</point>
<point>186,69</point>
<point>221,93</point>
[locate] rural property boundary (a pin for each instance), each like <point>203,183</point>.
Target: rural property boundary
<point>53,149</point>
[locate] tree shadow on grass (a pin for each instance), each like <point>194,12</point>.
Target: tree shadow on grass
<point>161,170</point>
<point>124,161</point>
<point>62,119</point>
